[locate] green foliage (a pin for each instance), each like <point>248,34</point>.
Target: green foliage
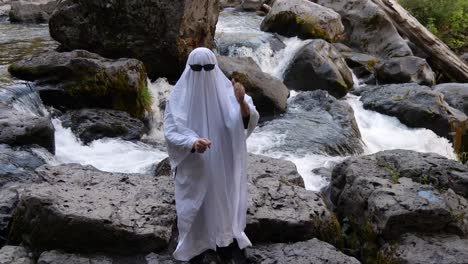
<point>447,19</point>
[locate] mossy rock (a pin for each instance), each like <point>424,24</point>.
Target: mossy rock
<point>303,19</point>
<point>85,79</point>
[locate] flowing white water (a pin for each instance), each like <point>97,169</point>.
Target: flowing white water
<point>379,132</point>
<point>113,155</point>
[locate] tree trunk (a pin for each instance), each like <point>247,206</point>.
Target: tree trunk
<point>442,58</point>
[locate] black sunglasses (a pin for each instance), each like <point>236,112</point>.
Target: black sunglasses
<point>198,67</point>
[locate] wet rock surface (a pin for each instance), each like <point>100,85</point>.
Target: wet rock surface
<point>80,79</point>
<point>455,94</point>
<point>405,70</point>
<point>368,29</point>
<point>162,37</point>
<point>419,107</point>
<point>325,67</point>
<point>17,167</point>
<point>311,251</point>
<point>15,255</point>
<point>335,128</point>
<point>93,124</point>
<point>24,12</point>
<point>280,211</point>
<point>268,93</point>
<point>23,120</point>
<point>120,213</point>
<point>304,19</point>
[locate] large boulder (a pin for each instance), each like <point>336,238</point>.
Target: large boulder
<point>455,94</point>
<point>304,19</point>
<point>318,65</point>
<point>80,209</point>
<point>335,130</point>
<point>24,12</point>
<point>229,3</point>
<point>368,28</point>
<point>280,209</point>
<point>17,167</point>
<point>419,107</point>
<point>61,257</point>
<point>93,124</point>
<point>311,251</point>
<point>432,249</point>
<point>161,33</point>
<point>23,119</point>
<point>268,93</point>
<point>405,70</point>
<point>15,255</point>
<point>251,5</point>
<point>395,192</point>
<point>80,79</point>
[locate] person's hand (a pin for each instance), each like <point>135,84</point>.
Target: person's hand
<point>239,91</point>
<point>201,145</point>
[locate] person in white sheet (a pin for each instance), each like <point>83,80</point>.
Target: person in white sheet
<point>206,123</point>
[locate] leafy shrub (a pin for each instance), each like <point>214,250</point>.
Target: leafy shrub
<point>447,19</point>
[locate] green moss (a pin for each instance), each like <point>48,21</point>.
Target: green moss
<point>311,28</point>
<point>371,64</point>
<point>289,23</point>
<point>394,173</point>
<point>28,73</point>
<point>387,256</point>
<point>330,231</point>
<point>16,227</point>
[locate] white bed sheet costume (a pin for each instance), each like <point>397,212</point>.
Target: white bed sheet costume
<point>210,188</point>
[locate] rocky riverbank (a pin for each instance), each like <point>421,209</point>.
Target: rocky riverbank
<point>393,206</point>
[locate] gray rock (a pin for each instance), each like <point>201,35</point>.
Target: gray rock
<point>83,210</point>
<point>368,28</point>
<point>15,255</point>
<point>57,257</point>
<point>311,251</point>
<point>304,19</point>
<point>80,79</point>
<point>160,33</point>
<point>405,70</point>
<point>229,3</point>
<point>279,207</point>
<point>251,5</point>
<point>432,249</point>
<point>464,57</point>
<point>23,118</point>
<point>17,167</point>
<point>22,12</point>
<point>419,107</point>
<point>383,191</point>
<point>268,93</point>
<point>356,59</point>
<point>163,168</point>
<point>335,129</point>
<point>318,65</point>
<point>60,257</point>
<point>455,94</point>
<point>260,166</point>
<point>93,124</point>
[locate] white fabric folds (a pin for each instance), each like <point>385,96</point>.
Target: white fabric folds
<point>210,188</point>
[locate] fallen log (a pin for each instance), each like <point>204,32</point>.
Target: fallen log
<point>442,57</point>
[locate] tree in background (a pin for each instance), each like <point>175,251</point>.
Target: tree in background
<point>447,19</point>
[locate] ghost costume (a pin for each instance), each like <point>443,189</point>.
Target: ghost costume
<point>210,187</point>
